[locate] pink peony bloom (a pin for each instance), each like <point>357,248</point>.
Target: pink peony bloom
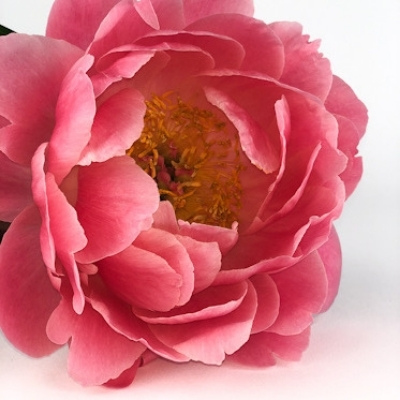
<point>171,170</point>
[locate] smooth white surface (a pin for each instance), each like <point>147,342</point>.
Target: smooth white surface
<point>355,347</point>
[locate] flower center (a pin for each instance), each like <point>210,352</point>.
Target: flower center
<point>193,158</point>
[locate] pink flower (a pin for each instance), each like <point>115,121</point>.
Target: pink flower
<point>171,170</point>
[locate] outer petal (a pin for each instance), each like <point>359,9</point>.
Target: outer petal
<point>343,101</point>
<point>115,202</point>
<point>261,349</point>
<point>61,234</point>
<point>210,340</point>
<point>75,112</point>
<point>196,9</point>
<point>28,99</point>
<point>120,317</point>
<point>302,289</point>
<point>27,297</point>
<point>352,117</point>
<point>305,68</point>
<point>331,256</point>
<point>264,50</point>
<point>76,21</point>
<point>97,352</point>
<point>15,188</point>
<point>268,302</point>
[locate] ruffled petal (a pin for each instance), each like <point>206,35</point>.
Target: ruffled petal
<point>263,49</point>
<point>331,256</point>
<point>302,290</point>
<point>175,254</point>
<point>120,317</point>
<point>97,353</point>
<point>268,302</point>
<point>76,21</point>
<point>343,101</point>
<point>75,112</point>
<point>206,260</point>
<point>211,303</point>
<point>142,278</point>
<point>210,340</point>
<point>61,234</point>
<point>118,123</point>
<point>15,188</point>
<point>115,202</point>
<point>225,51</point>
<point>27,297</point>
<point>262,349</point>
<point>254,141</point>
<point>197,9</point>
<point>305,68</point>
<point>28,100</point>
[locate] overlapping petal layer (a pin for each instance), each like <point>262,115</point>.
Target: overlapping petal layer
<point>121,116</point>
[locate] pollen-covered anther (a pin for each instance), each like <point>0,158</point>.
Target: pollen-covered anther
<point>194,159</point>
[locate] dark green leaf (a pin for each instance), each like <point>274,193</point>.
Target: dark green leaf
<point>4,30</point>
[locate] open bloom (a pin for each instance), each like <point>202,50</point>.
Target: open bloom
<point>171,170</point>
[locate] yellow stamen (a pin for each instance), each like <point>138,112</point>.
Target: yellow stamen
<point>194,159</point>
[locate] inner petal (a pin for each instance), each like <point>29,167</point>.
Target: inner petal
<point>194,158</point>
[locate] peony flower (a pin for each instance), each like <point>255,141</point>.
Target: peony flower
<point>171,170</point>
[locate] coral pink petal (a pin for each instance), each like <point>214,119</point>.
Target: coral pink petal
<point>197,9</point>
<point>206,259</point>
<point>76,21</point>
<point>225,51</point>
<point>211,303</point>
<point>119,316</point>
<point>169,14</point>
<point>210,340</point>
<point>348,142</point>
<point>118,123</point>
<point>290,347</point>
<point>331,256</point>
<point>261,349</point>
<point>305,68</point>
<point>343,101</point>
<point>225,237</point>
<point>121,62</point>
<point>122,25</point>
<point>165,218</point>
<point>28,100</point>
<point>302,289</point>
<point>15,188</point>
<point>254,141</point>
<point>142,278</point>
<point>98,353</point>
<point>115,202</point>
<point>126,377</point>
<point>76,107</point>
<point>60,227</point>
<point>27,297</point>
<point>175,254</point>
<point>268,302</point>
<point>146,10</point>
<point>264,50</point>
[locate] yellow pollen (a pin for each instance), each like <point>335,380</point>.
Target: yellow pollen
<point>193,158</point>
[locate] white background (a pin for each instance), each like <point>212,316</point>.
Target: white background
<point>355,347</point>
